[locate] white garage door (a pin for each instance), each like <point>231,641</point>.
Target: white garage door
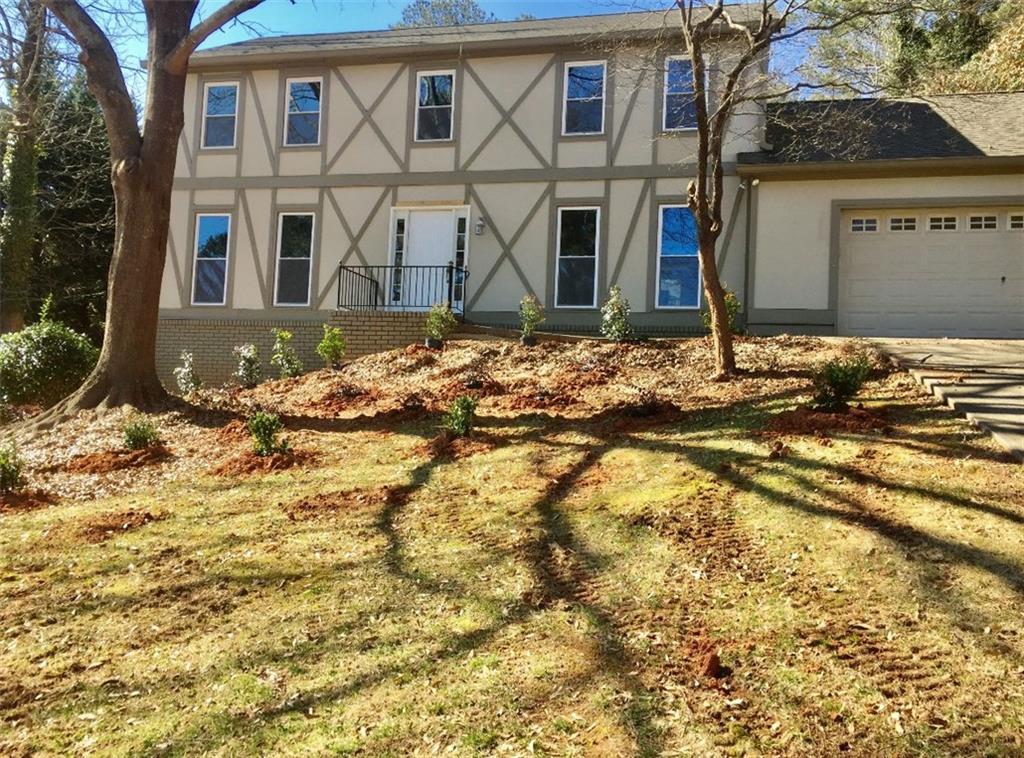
<point>933,272</point>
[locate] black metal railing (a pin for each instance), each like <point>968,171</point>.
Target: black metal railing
<point>401,288</point>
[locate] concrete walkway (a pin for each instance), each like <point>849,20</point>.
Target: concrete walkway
<point>982,379</point>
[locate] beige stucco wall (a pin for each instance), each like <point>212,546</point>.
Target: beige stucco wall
<point>793,227</point>
<point>366,164</point>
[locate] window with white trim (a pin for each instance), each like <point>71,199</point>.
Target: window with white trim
<point>679,105</point>
<point>864,225</point>
<point>210,272</point>
<point>435,105</point>
<point>982,223</point>
<point>1015,222</point>
<point>294,258</point>
<point>398,257</point>
<point>942,224</point>
<point>903,224</point>
<point>461,242</point>
<point>302,111</point>
<point>220,114</point>
<point>583,98</point>
<point>678,263</point>
<point>576,257</point>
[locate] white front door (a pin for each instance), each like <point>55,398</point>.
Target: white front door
<point>425,242</point>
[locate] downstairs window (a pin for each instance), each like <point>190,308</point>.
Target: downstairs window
<point>678,263</point>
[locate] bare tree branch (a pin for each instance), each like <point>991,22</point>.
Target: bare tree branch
<point>177,61</point>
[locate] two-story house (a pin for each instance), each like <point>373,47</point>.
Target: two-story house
<point>361,177</point>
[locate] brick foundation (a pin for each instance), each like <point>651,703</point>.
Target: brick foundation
<point>211,340</point>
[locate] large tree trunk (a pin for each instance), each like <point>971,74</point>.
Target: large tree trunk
<point>714,293</point>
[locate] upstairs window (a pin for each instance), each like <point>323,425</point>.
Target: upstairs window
<point>982,223</point>
<point>583,109</point>
<point>576,274</point>
<point>860,225</point>
<point>1015,222</point>
<point>678,263</point>
<point>903,224</point>
<point>209,275</point>
<point>294,258</point>
<point>942,224</point>
<point>220,115</point>
<point>679,110</point>
<point>302,112</point>
<point>435,98</point>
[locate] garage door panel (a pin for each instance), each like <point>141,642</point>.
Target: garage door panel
<point>931,284</point>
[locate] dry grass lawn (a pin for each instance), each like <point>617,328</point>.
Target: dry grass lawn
<point>582,578</point>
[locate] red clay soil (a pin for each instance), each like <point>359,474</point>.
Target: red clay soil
<point>111,524</point>
<point>325,504</point>
<point>806,420</point>
<point>27,500</point>
<point>447,445</point>
<point>248,462</point>
<point>115,460</point>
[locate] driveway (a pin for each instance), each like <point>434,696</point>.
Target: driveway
<point>982,379</point>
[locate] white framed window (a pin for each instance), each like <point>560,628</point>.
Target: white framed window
<point>903,224</point>
<point>220,114</point>
<point>578,239</point>
<point>435,106</point>
<point>294,258</point>
<point>864,224</point>
<point>583,98</point>
<point>302,111</point>
<point>678,106</point>
<point>1015,222</point>
<point>210,258</point>
<point>678,269</point>
<point>942,223</point>
<point>989,222</point>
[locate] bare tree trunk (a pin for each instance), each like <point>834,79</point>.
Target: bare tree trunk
<point>714,293</point>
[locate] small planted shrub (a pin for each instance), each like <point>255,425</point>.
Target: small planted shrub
<point>531,315</point>
<point>248,372</point>
<point>332,346</point>
<point>615,323</point>
<point>265,428</point>
<point>139,433</point>
<point>459,418</point>
<point>283,355</point>
<point>837,381</point>
<point>186,376</point>
<point>733,306</point>
<point>440,324</point>
<point>43,363</point>
<point>10,468</point>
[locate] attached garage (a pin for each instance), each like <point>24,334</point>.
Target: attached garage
<point>932,272</point>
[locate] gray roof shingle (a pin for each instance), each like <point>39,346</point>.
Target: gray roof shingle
<point>974,125</point>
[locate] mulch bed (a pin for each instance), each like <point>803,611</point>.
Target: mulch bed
<point>27,500</point>
<point>325,504</point>
<point>249,463</point>
<point>447,445</point>
<point>111,524</point>
<point>804,420</point>
<point>115,460</point>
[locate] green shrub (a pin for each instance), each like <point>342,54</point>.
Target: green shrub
<point>249,372</point>
<point>10,467</point>
<point>43,363</point>
<point>460,416</point>
<point>332,347</point>
<point>185,375</point>
<point>283,355</point>
<point>264,428</point>
<point>531,314</point>
<point>838,380</point>
<point>733,306</point>
<point>441,322</point>
<point>139,432</point>
<point>615,323</point>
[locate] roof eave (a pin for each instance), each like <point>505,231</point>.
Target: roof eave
<point>952,166</point>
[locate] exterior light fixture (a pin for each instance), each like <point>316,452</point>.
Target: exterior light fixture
<point>479,226</point>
